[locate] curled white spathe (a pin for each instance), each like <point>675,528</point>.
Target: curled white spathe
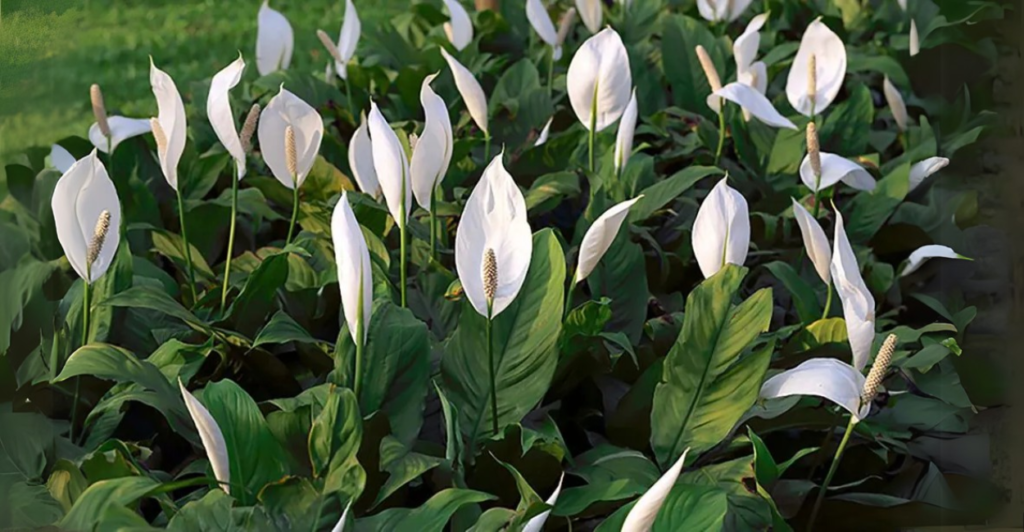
<point>275,40</point>
<point>815,242</point>
<point>470,90</point>
<point>600,236</point>
<point>922,169</point>
<point>896,105</point>
<point>641,517</point>
<point>211,436</point>
<point>495,219</point>
<point>830,68</point>
<point>543,25</point>
<point>721,231</point>
<point>590,12</point>
<point>833,170</point>
<point>752,102</point>
<point>915,40</point>
<point>537,523</point>
<point>599,80</point>
<point>60,158</point>
<point>460,27</point>
<point>286,109</point>
<point>932,251</point>
<point>218,110</point>
<point>744,50</point>
<point>121,129</point>
<point>858,303</point>
<point>340,525</point>
<point>722,10</point>
<point>360,160</point>
<point>827,378</point>
<point>544,133</point>
<point>355,280</point>
<point>391,165</point>
<point>79,198</point>
<point>348,39</point>
<point>172,121</point>
<point>433,151</point>
<point>624,137</point>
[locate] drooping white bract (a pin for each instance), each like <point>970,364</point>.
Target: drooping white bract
<point>722,10</point>
<point>721,231</point>
<point>915,39</point>
<point>355,279</point>
<point>459,29</point>
<point>391,165</point>
<point>60,158</point>
<point>815,242</point>
<point>895,101</point>
<point>80,197</point>
<point>218,110</point>
<point>494,219</point>
<point>752,102</point>
<point>470,90</point>
<point>600,236</point>
<point>347,39</point>
<point>275,41</point>
<point>599,80</point>
<point>830,70</point>
<point>544,133</point>
<point>591,13</point>
<point>433,151</point>
<point>744,50</point>
<point>121,129</point>
<point>286,109</point>
<point>641,517</point>
<point>624,137</point>
<point>827,378</point>
<point>360,160</point>
<point>211,436</point>
<point>537,523</point>
<point>858,303</point>
<point>923,169</point>
<point>921,255</point>
<point>542,24</point>
<point>172,122</point>
<point>833,170</point>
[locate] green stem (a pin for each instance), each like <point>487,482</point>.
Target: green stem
<point>359,339</point>
<point>295,210</point>
<point>721,132</point>
<point>433,223</point>
<point>231,239</point>
<point>568,295</point>
<point>85,341</point>
<point>551,71</point>
<point>828,301</point>
<point>188,248</point>
<point>831,472</point>
<point>348,95</point>
<point>110,156</point>
<point>494,383</point>
<point>402,265</point>
<point>487,148</point>
<point>817,195</point>
<point>319,512</point>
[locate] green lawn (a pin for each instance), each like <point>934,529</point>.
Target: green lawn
<point>52,50</point>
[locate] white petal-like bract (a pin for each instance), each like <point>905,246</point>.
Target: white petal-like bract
<point>391,165</point>
<point>599,80</point>
<point>915,39</point>
<point>354,274</point>
<point>923,253</point>
<point>721,231</point>
<point>541,22</point>
<point>275,41</point>
<point>830,70</point>
<point>896,105</point>
<point>722,10</point>
<point>60,158</point>
<point>624,137</point>
<point>591,13</point>
<point>833,170</point>
<point>922,169</point>
<point>470,90</point>
<point>348,39</point>
<point>744,50</point>
<point>460,28</point>
<point>121,129</point>
<point>433,151</point>
<point>641,517</point>
<point>600,236</point>
<point>544,133</point>
<point>79,199</point>
<point>827,378</point>
<point>753,102</point>
<point>815,242</point>
<point>537,523</point>
<point>286,109</point>
<point>858,303</point>
<point>211,436</point>
<point>172,121</point>
<point>360,160</point>
<point>218,110</point>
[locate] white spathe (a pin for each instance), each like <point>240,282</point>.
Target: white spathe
<point>286,109</point>
<point>340,525</point>
<point>599,80</point>
<point>543,25</point>
<point>833,170</point>
<point>360,160</point>
<point>744,50</point>
<point>815,242</point>
<point>722,10</point>
<point>721,231</point>
<point>922,169</point>
<point>827,378</point>
<point>544,133</point>
<point>275,40</point>
<point>433,151</point>
<point>60,158</point>
<point>495,219</point>
<point>537,523</point>
<point>79,198</point>
<point>172,120</point>
<point>591,13</point>
<point>211,436</point>
<point>858,303</point>
<point>624,137</point>
<point>121,129</point>
<point>391,165</point>
<point>218,110</point>
<point>643,514</point>
<point>355,279</point>
<point>933,251</point>
<point>915,39</point>
<point>348,39</point>
<point>830,68</point>
<point>896,105</point>
<point>470,90</point>
<point>459,29</point>
<point>752,102</point>
<point>600,236</point>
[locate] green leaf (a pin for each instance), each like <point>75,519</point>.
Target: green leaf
<point>255,456</point>
<point>621,276</point>
<point>660,194</point>
<point>25,506</point>
<point>804,298</point>
<point>18,286</point>
<point>706,386</point>
<point>282,329</point>
<point>431,517</point>
<point>680,37</point>
<point>334,440</point>
<point>788,151</point>
<point>548,190</point>
<point>147,297</point>
<point>292,504</point>
<point>847,125</point>
<point>257,299</point>
<point>212,513</point>
<point>403,466</point>
<point>25,441</point>
<point>686,508</point>
<point>92,507</point>
<point>525,347</point>
<point>869,210</point>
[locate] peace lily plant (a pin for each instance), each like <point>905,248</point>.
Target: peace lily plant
<point>275,40</point>
<point>354,279</point>
<point>472,95</point>
<point>599,83</point>
<point>392,168</point>
<point>432,155</point>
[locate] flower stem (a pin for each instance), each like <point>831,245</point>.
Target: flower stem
<point>188,248</point>
<point>85,340</point>
<point>110,156</point>
<point>295,210</point>
<point>831,472</point>
<point>551,71</point>
<point>721,133</point>
<point>494,381</point>
<point>231,239</point>
<point>487,147</point>
<point>402,265</point>
<point>828,301</point>
<point>433,223</point>
<point>348,96</point>
<point>568,296</point>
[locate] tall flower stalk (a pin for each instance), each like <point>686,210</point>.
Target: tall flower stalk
<point>354,279</point>
<point>490,276</point>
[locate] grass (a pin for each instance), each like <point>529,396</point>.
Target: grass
<point>51,51</point>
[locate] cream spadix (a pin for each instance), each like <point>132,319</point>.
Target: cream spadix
<point>470,90</point>
<point>433,151</point>
<point>858,303</point>
<point>815,241</point>
<point>87,216</point>
<point>218,110</point>
<point>721,231</point>
<point>599,80</point>
<point>275,40</point>
<point>459,28</point>
<point>288,110</point>
<point>643,514</point>
<point>172,121</point>
<point>391,165</point>
<point>493,222</point>
<point>537,523</point>
<point>823,50</point>
<point>211,436</point>
<point>921,255</point>
<point>600,236</point>
<point>355,280</point>
<point>360,160</point>
<point>590,12</point>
